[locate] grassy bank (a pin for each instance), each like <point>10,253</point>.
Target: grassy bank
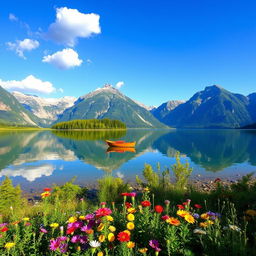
<point>159,217</point>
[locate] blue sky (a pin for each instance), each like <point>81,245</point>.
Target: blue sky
<point>160,50</point>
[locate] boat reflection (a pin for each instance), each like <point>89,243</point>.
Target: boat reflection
<point>120,150</point>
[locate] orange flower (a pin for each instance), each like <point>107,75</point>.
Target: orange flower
<point>130,244</point>
<point>205,216</point>
<point>189,218</point>
<point>182,213</point>
<point>203,224</point>
<point>173,221</point>
<point>89,231</point>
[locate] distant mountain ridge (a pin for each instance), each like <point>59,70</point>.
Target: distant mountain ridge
<point>47,109</point>
<point>13,113</point>
<point>108,102</point>
<point>214,107</point>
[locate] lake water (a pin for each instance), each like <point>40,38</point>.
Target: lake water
<point>39,159</point>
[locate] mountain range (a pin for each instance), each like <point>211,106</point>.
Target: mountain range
<point>213,107</point>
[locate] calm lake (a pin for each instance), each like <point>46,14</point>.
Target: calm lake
<point>39,159</point>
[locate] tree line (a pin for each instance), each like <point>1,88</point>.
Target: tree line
<point>90,124</point>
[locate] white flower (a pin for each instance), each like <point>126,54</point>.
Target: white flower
<point>234,227</point>
<point>199,231</point>
<point>94,244</point>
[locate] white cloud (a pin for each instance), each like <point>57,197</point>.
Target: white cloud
<point>12,17</point>
<point>65,59</point>
<point>21,46</point>
<point>119,84</point>
<point>71,24</point>
<point>30,84</point>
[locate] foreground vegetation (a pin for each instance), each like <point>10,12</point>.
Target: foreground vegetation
<point>159,217</point>
<point>90,124</point>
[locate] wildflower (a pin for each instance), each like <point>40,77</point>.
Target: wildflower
<point>189,218</point>
<point>155,245</point>
<point>124,194</point>
<point>199,231</point>
<point>203,224</point>
<point>75,239</point>
<point>103,203</point>
<point>82,217</point>
<point>132,194</point>
<point>54,225</point>
<point>128,205</point>
<point>43,230</point>
<point>45,194</point>
<point>145,203</point>
<point>234,227</point>
<point>72,219</point>
<point>100,227</point>
<point>3,225</point>
<point>16,222</point>
<point>128,232</point>
<point>196,215</point>
<point>9,245</point>
<point>27,224</point>
<point>4,229</point>
<point>94,244</point>
<point>26,219</point>
<point>204,216</point>
<point>47,189</point>
<point>251,212</point>
<point>110,218</point>
<point>103,212</point>
<point>185,203</point>
<point>180,206</point>
<point>182,213</point>
<point>58,243</point>
<point>123,237</point>
<point>111,237</point>
<point>89,216</point>
<point>130,245</point>
<point>210,222</point>
<point>100,254</point>
<point>131,210</point>
<point>165,217</point>
<point>130,225</point>
<point>102,238</point>
<point>146,189</point>
<point>130,217</point>
<point>143,250</point>
<point>112,228</point>
<point>198,206</point>
<point>167,202</point>
<point>159,209</point>
<point>89,231</point>
<point>173,221</point>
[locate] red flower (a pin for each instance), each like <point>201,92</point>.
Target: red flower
<point>71,230</point>
<point>145,203</point>
<point>128,205</point>
<point>159,208</point>
<point>217,180</point>
<point>47,189</point>
<point>103,212</point>
<point>198,206</point>
<point>4,229</point>
<point>180,206</point>
<point>185,203</point>
<point>165,217</point>
<point>123,237</point>
<point>125,194</point>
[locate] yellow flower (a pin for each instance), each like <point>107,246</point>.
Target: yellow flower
<point>127,231</point>
<point>204,216</point>
<point>146,189</point>
<point>182,213</point>
<point>203,224</point>
<point>130,225</point>
<point>110,218</point>
<point>189,218</point>
<point>100,254</point>
<point>82,218</point>
<point>143,250</point>
<point>130,244</point>
<point>100,227</point>
<point>131,210</point>
<point>210,222</point>
<point>130,217</point>
<point>9,245</point>
<point>72,219</point>
<point>112,228</point>
<point>251,212</point>
<point>111,237</point>
<point>102,238</point>
<point>54,225</point>
<point>26,219</point>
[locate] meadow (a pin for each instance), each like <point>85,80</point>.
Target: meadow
<point>155,216</point>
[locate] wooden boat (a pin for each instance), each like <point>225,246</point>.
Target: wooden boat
<point>120,150</point>
<point>121,144</point>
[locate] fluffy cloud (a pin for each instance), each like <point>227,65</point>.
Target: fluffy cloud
<point>21,46</point>
<point>30,84</point>
<point>12,17</point>
<point>65,59</point>
<point>119,84</point>
<point>71,24</point>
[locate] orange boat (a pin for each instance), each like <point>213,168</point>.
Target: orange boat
<point>121,144</point>
<point>120,150</point>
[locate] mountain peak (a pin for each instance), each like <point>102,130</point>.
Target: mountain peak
<point>214,87</point>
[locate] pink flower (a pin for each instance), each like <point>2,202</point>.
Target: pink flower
<point>155,245</point>
<point>43,230</point>
<point>165,217</point>
<point>103,212</point>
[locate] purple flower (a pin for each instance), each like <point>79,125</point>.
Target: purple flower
<point>58,243</point>
<point>88,226</point>
<point>75,239</point>
<point>155,245</point>
<point>90,216</point>
<point>63,247</point>
<point>196,215</point>
<point>3,225</point>
<point>83,239</point>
